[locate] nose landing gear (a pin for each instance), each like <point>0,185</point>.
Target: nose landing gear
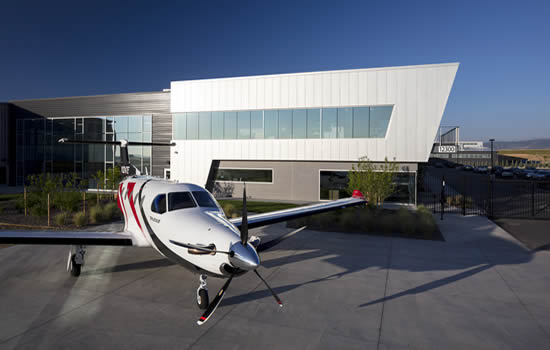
<point>76,260</point>
<point>202,293</point>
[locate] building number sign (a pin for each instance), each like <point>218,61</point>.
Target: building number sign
<point>447,149</point>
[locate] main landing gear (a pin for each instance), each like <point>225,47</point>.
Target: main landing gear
<point>202,293</point>
<point>76,259</point>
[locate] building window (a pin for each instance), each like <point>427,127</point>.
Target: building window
<point>257,124</point>
<point>285,124</point>
<point>299,124</point>
<point>217,125</point>
<point>192,126</point>
<point>245,175</point>
<point>345,123</point>
<point>313,123</point>
<point>327,123</point>
<point>243,124</point>
<point>230,125</point>
<point>271,121</point>
<point>204,126</point>
<point>379,120</point>
<point>329,117</point>
<point>180,126</point>
<point>361,122</point>
<point>334,184</point>
<point>38,150</point>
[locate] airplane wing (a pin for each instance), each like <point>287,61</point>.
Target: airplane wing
<point>66,238</point>
<point>288,214</point>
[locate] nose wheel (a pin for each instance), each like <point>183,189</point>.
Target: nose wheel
<point>202,293</point>
<point>76,260</point>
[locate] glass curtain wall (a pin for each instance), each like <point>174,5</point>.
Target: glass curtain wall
<point>327,123</point>
<point>38,150</point>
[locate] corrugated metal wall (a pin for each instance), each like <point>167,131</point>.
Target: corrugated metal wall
<point>419,95</point>
<point>117,104</point>
<point>155,103</point>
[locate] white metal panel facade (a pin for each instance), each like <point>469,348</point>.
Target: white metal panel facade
<point>419,95</point>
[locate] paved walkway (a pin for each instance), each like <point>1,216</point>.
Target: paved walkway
<point>481,289</point>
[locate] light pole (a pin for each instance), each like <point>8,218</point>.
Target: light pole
<point>492,179</point>
<point>492,163</point>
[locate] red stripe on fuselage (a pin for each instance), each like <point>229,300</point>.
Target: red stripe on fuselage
<point>131,186</point>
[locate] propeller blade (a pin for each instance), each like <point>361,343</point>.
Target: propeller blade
<point>274,242</point>
<point>214,304</point>
<point>244,223</point>
<point>271,290</point>
<point>201,248</point>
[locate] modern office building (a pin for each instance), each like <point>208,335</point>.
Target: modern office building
<point>288,136</point>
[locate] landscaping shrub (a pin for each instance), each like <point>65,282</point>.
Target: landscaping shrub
<point>406,221</point>
<point>422,210</point>
<point>348,218</point>
<point>367,220</point>
<point>96,214</point>
<point>426,224</point>
<point>111,211</point>
<point>80,219</point>
<point>61,219</point>
<point>387,223</point>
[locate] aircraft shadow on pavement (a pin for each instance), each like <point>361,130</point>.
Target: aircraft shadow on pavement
<point>486,253</point>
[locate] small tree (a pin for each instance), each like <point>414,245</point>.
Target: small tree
<point>375,182</point>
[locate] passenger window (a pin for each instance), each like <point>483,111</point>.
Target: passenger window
<point>204,199</point>
<point>159,204</point>
<point>180,200</point>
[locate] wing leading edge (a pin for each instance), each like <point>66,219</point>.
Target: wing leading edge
<point>66,238</point>
<point>288,214</point>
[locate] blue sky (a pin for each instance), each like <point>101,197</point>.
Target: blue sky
<point>502,89</point>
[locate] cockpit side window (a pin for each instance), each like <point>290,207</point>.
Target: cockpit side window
<point>180,200</point>
<point>204,199</point>
<point>159,204</point>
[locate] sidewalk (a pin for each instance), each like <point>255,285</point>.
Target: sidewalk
<point>480,289</point>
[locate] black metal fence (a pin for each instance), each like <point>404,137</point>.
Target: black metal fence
<point>453,191</point>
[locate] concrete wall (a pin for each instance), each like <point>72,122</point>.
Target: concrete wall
<point>295,181</point>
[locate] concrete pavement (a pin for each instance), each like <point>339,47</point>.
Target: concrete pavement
<point>480,289</point>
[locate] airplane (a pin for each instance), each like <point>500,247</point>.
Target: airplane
<point>184,223</point>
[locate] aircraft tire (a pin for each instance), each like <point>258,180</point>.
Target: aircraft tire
<point>75,268</point>
<point>202,299</point>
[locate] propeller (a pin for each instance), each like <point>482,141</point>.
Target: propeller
<point>244,222</point>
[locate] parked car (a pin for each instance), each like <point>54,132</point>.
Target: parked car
<point>439,165</point>
<point>506,174</point>
<point>460,167</point>
<point>468,168</point>
<point>481,170</point>
<point>497,170</point>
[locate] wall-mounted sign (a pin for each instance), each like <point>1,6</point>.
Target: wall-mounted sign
<point>446,149</point>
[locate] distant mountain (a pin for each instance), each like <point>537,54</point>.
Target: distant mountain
<point>527,144</point>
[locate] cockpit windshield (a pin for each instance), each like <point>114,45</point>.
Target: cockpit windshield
<point>180,200</point>
<point>204,199</point>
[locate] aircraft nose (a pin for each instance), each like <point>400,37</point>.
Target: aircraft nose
<point>244,257</point>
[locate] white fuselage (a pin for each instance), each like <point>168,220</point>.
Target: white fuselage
<point>152,217</point>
